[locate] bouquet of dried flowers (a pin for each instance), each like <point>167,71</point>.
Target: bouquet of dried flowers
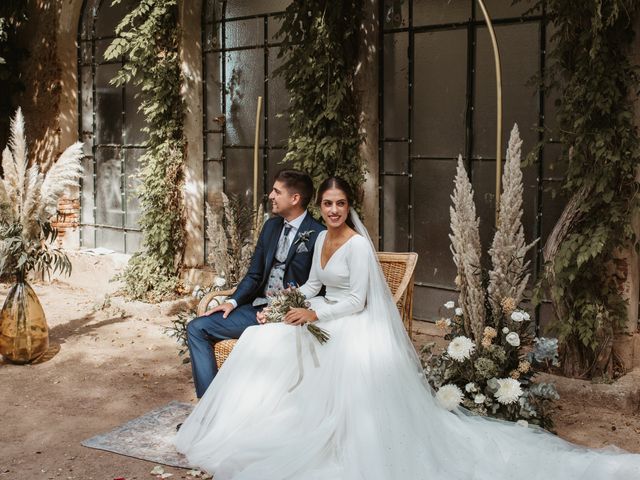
<point>284,300</point>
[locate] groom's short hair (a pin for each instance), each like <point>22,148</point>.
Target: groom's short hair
<point>297,182</point>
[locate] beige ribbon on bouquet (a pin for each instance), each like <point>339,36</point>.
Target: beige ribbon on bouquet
<point>314,356</point>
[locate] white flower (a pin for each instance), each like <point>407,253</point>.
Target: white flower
<point>449,396</point>
<point>461,348</point>
<point>522,423</point>
<point>508,391</point>
<point>526,315</point>
<point>459,311</point>
<point>447,322</point>
<point>513,339</point>
<point>470,387</point>
<point>517,316</point>
<point>505,330</point>
<point>479,399</point>
<point>196,291</point>
<point>219,282</point>
<point>450,304</point>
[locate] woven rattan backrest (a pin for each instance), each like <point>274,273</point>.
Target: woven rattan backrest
<point>398,270</point>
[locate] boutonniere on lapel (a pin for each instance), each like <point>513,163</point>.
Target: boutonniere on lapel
<point>302,240</point>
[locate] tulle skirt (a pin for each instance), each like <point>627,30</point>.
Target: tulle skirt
<point>284,407</point>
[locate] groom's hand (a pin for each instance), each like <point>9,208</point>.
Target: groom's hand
<point>225,308</point>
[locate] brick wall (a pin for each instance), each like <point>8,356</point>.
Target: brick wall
<point>68,216</point>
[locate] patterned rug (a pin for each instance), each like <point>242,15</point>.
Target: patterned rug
<point>147,437</point>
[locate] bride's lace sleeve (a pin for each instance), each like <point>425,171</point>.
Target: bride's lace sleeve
<point>358,261</point>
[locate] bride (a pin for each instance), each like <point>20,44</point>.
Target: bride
<point>358,407</point>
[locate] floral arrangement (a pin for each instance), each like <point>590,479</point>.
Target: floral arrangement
<point>284,300</point>
<point>496,376</point>
<point>28,204</point>
<point>492,358</point>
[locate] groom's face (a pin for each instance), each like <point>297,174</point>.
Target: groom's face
<point>283,201</point>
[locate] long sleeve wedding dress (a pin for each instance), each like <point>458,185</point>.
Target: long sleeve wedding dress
<point>358,407</point>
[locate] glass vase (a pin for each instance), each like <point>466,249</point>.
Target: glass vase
<point>24,334</point>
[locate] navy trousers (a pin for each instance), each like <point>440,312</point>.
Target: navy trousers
<point>202,331</point>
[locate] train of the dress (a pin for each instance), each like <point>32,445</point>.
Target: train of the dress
<point>365,412</point>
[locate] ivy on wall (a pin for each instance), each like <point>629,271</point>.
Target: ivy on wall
<point>320,54</point>
<point>13,15</point>
<point>598,83</point>
<point>148,40</point>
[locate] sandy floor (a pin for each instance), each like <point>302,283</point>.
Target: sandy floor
<point>115,363</point>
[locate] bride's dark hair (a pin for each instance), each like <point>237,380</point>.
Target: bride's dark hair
<point>339,184</point>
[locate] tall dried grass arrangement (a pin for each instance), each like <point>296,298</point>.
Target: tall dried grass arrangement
<point>232,233</point>
<point>29,197</point>
<point>466,250</point>
<point>509,276</point>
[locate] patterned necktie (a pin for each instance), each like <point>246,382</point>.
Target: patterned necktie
<point>283,244</point>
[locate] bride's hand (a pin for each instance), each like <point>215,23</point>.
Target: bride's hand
<point>300,316</point>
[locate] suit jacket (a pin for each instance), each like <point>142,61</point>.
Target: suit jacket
<point>297,265</point>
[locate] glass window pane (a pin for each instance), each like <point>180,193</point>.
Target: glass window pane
<point>396,14</point>
<point>214,180</point>
<point>555,164</point>
<point>240,172</point>
<point>134,118</point>
<point>396,157</point>
<point>396,85</point>
<point>108,187</point>
<point>242,33</point>
<point>88,237</point>
<point>428,302</point>
<point>520,62</point>
<point>86,106</point>
<point>433,185</point>
<point>108,113</point>
<point>110,238</point>
<point>134,241</point>
<point>245,82</point>
<point>86,198</point>
<point>212,88</point>
<point>133,180</point>
<point>396,214</point>
<point>440,80</point>
<point>254,7</point>
<point>434,12</point>
<point>507,8</point>
<point>110,15</point>
<point>278,103</point>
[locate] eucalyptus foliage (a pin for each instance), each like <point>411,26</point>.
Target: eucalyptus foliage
<point>148,40</point>
<point>320,54</point>
<point>591,62</point>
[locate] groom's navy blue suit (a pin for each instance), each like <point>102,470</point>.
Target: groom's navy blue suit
<point>203,331</point>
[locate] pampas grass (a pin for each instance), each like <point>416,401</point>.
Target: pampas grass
<point>509,276</point>
<point>466,250</point>
<point>232,235</point>
<point>29,198</point>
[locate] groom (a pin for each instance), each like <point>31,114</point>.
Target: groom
<point>282,257</point>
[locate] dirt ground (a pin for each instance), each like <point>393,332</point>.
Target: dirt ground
<point>111,362</point>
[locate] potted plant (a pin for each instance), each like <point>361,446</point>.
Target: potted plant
<point>28,203</point>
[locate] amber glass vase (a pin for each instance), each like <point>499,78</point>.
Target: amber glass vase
<point>24,334</point>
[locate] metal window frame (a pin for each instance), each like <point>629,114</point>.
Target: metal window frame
<point>471,25</point>
<point>121,147</point>
<point>220,89</point>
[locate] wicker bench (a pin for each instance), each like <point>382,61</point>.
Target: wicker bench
<point>398,270</point>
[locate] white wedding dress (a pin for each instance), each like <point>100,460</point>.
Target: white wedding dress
<point>358,407</point>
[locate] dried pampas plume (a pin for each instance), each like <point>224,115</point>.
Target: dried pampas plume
<point>508,278</point>
<point>465,246</point>
<point>28,196</point>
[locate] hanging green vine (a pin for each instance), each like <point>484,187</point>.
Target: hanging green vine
<point>13,15</point>
<point>320,53</point>
<point>148,39</point>
<point>591,53</point>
